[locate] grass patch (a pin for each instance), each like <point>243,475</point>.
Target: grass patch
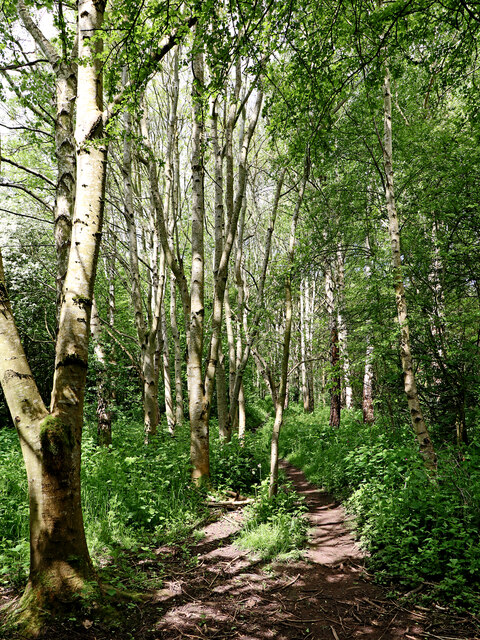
<point>275,527</point>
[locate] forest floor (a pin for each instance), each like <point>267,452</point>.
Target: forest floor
<point>213,590</point>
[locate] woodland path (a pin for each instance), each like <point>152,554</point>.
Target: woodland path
<point>215,591</point>
<point>325,596</point>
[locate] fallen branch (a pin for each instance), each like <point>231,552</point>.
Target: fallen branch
<point>230,504</point>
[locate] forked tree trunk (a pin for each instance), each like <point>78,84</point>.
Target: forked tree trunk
<point>410,385</point>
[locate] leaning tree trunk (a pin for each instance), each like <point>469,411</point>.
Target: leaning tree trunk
<point>60,564</point>
<point>410,385</point>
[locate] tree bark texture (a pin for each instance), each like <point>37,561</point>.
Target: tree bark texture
<point>367,396</point>
<point>410,385</point>
<point>59,559</point>
<point>104,414</point>
<point>65,96</point>
<point>343,333</point>
<point>198,410</point>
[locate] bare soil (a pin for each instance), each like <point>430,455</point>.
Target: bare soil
<point>216,591</point>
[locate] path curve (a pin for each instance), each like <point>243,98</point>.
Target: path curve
<point>325,596</point>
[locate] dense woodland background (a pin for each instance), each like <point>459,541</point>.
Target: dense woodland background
<point>285,204</point>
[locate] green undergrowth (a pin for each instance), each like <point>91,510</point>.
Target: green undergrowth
<point>239,464</point>
<point>419,531</point>
<point>14,546</point>
<point>275,527</point>
<point>135,497</point>
<point>133,493</point>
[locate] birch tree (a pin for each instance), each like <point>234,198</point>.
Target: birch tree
<point>50,438</point>
<point>410,385</point>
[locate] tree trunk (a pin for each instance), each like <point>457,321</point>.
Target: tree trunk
<point>306,312</point>
<point>167,383</point>
<point>104,415</point>
<point>335,384</point>
<point>367,399</point>
<point>60,564</point>
<point>410,385</point>
<point>232,365</point>
<point>282,392</point>
<point>65,95</point>
<point>199,412</point>
<point>66,87</point>
<point>177,351</point>
<point>343,333</point>
<point>222,403</point>
<point>256,320</point>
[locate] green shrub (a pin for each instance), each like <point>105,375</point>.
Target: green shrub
<point>132,491</point>
<point>238,464</point>
<point>132,495</point>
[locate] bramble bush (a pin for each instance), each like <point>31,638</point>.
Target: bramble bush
<point>417,529</point>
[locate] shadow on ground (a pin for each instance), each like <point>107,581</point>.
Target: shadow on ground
<point>326,595</point>
<point>219,592</point>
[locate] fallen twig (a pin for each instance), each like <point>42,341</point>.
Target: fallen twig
<point>288,584</point>
<point>230,504</point>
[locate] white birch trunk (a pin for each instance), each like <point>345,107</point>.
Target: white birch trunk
<point>410,385</point>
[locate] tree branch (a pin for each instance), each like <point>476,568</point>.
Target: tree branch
<point>27,170</point>
<point>13,185</point>
<point>45,45</point>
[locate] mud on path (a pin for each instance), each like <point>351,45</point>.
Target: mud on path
<point>217,591</point>
<point>326,595</point>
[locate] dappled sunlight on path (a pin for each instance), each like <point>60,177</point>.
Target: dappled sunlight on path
<point>229,593</point>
